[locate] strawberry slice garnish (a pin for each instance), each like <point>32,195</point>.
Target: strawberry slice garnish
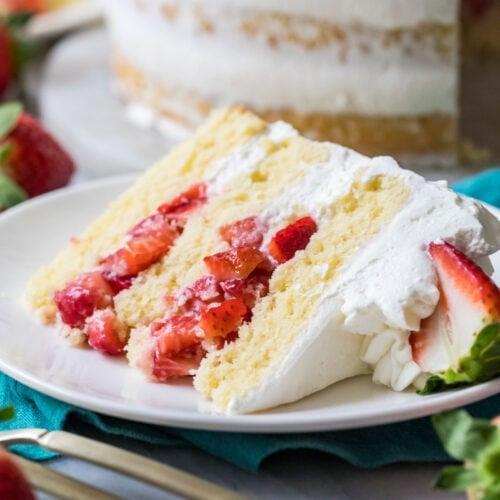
<point>234,263</point>
<point>469,300</point>
<point>289,240</point>
<point>81,297</point>
<point>247,232</point>
<point>105,332</point>
<point>13,483</point>
<point>223,319</point>
<point>31,157</point>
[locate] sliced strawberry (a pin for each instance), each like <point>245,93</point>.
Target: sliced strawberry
<point>286,242</point>
<point>469,301</point>
<point>105,332</point>
<point>13,483</point>
<point>185,363</point>
<point>233,263</point>
<point>137,254</point>
<point>117,283</point>
<point>223,319</point>
<point>81,297</point>
<point>160,226</point>
<point>36,161</point>
<point>187,202</point>
<point>203,291</point>
<point>250,289</point>
<point>247,232</point>
<point>176,333</point>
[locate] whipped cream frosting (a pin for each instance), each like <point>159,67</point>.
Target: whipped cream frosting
<point>356,328</point>
<point>225,66</point>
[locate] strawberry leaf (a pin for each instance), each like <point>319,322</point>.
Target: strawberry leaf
<point>6,413</point>
<point>5,150</point>
<point>17,20</point>
<point>457,478</point>
<point>9,114</point>
<point>476,442</point>
<point>464,437</point>
<point>10,193</point>
<point>482,364</point>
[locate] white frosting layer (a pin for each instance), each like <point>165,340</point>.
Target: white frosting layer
<point>226,66</point>
<point>382,292</point>
<point>379,13</point>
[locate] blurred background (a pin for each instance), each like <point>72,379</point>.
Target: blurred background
<point>118,82</point>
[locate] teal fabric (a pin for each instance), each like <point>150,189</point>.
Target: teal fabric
<point>410,441</point>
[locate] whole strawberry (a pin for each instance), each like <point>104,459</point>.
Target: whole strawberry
<point>6,71</point>
<point>29,155</point>
<point>13,484</point>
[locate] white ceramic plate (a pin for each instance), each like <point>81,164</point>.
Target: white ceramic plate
<point>33,232</point>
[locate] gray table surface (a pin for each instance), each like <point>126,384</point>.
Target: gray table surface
<point>76,79</point>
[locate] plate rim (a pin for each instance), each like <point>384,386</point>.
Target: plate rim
<point>265,422</point>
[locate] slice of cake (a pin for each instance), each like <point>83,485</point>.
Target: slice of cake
<point>271,266</point>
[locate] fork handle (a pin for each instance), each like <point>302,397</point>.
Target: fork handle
<point>131,464</point>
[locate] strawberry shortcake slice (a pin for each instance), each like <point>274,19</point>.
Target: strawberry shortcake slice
<point>268,266</point>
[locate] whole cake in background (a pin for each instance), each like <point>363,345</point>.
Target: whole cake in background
<point>380,77</point>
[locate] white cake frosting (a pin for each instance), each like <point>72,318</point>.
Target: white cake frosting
<point>226,66</point>
<point>364,328</point>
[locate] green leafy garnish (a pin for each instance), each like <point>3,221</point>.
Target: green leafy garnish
<point>9,113</point>
<point>6,413</point>
<point>10,193</point>
<point>476,442</point>
<point>482,364</point>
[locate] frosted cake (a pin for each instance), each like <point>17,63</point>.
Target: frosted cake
<point>269,266</point>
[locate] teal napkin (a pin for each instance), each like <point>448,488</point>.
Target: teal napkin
<point>410,441</point>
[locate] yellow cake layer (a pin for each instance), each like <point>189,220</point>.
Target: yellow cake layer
<point>284,166</point>
<point>186,164</point>
<point>279,318</point>
<point>407,135</point>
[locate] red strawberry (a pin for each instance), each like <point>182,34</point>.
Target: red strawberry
<point>223,319</point>
<point>13,484</point>
<point>34,160</point>
<point>469,301</point>
<point>233,263</point>
<point>81,297</point>
<point>6,70</point>
<point>176,333</point>
<point>187,202</point>
<point>166,367</point>
<point>158,225</point>
<point>249,289</point>
<point>31,6</point>
<point>137,254</point>
<point>286,242</point>
<point>194,297</point>
<point>105,333</point>
<point>247,232</point>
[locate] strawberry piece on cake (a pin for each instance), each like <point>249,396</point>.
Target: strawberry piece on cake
<point>292,238</point>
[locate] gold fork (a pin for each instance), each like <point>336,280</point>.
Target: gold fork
<point>111,457</point>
